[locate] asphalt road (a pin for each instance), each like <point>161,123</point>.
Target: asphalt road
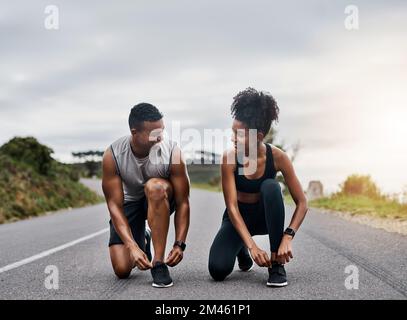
<point>75,241</point>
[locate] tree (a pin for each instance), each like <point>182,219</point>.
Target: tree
<point>291,151</point>
<point>91,161</point>
<point>91,155</point>
<point>29,151</point>
<point>360,185</point>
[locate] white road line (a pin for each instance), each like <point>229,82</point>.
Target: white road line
<point>51,251</point>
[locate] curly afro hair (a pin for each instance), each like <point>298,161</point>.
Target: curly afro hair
<point>256,109</point>
<point>143,112</point>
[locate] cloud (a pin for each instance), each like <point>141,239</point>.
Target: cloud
<point>73,88</point>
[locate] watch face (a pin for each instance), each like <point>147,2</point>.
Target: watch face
<point>181,244</point>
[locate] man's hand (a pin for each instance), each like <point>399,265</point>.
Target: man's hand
<point>174,257</point>
<point>260,257</point>
<point>139,258</point>
<point>285,252</point>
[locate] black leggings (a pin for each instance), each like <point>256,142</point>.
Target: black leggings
<point>264,217</point>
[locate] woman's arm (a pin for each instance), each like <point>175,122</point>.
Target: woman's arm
<point>284,165</point>
<point>294,187</point>
<point>230,194</point>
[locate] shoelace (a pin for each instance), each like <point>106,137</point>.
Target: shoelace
<point>279,269</point>
<point>160,269</point>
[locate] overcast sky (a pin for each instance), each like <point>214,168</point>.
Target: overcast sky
<point>342,94</point>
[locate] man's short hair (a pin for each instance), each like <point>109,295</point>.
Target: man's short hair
<point>143,112</point>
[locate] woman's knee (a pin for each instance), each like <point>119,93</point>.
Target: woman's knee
<point>218,270</point>
<point>219,265</point>
<point>270,187</point>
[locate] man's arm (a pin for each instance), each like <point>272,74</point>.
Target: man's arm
<point>113,191</point>
<point>180,183</point>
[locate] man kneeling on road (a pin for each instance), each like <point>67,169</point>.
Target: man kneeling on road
<point>145,177</point>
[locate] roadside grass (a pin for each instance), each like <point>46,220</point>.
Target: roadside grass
<point>381,207</point>
<point>206,186</point>
<point>31,186</point>
<point>288,200</point>
<point>25,193</point>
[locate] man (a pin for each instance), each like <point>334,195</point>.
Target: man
<point>145,177</point>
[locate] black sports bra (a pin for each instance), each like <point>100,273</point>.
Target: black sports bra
<point>253,185</point>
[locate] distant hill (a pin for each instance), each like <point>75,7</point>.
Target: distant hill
<point>32,182</point>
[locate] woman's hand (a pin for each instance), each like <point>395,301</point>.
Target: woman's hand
<point>260,257</point>
<point>285,252</point>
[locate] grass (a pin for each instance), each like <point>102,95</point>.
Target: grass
<point>203,173</point>
<point>288,200</point>
<point>26,192</point>
<point>206,186</point>
<point>381,207</point>
<point>205,177</point>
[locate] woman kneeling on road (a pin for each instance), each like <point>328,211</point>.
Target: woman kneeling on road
<point>254,202</point>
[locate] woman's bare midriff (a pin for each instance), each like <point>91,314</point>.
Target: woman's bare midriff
<point>248,197</point>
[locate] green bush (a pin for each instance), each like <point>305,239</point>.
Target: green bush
<point>215,181</point>
<point>360,195</point>
<point>32,182</point>
<point>360,185</point>
<point>29,151</point>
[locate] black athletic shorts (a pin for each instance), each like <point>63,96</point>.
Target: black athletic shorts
<point>136,214</point>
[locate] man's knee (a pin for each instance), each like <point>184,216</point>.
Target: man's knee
<point>270,187</point>
<point>122,271</point>
<point>155,190</point>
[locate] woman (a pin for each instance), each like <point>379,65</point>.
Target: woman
<point>254,202</point>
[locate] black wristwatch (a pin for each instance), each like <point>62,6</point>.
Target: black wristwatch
<point>290,232</point>
<point>180,244</point>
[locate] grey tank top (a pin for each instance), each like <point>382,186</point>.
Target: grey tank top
<point>134,171</point>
